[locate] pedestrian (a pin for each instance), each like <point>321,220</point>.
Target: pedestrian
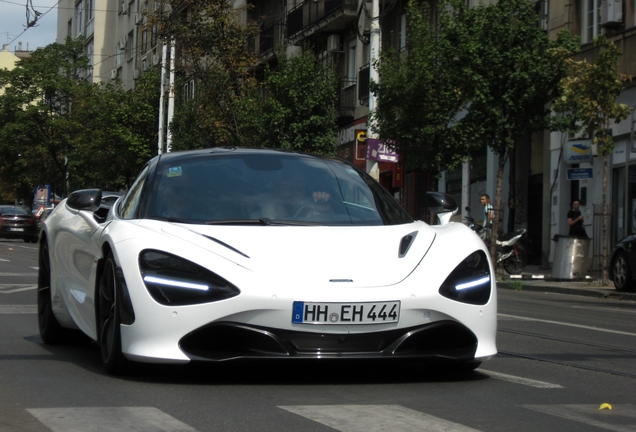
<point>575,220</point>
<point>488,211</point>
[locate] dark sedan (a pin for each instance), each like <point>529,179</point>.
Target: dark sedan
<point>623,264</point>
<point>18,222</point>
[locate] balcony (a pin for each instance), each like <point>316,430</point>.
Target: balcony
<point>363,84</point>
<point>329,16</point>
<point>270,37</point>
<point>347,99</point>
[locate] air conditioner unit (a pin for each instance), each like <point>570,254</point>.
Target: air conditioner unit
<point>611,12</point>
<point>138,18</point>
<point>144,64</point>
<point>333,43</point>
<point>136,74</point>
<point>155,59</point>
<point>113,74</point>
<point>122,44</point>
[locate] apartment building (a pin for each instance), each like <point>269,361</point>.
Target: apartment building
<point>118,39</point>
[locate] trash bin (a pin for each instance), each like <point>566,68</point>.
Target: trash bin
<point>570,257</point>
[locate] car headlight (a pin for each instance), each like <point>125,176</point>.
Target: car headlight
<point>470,282</point>
<point>174,281</point>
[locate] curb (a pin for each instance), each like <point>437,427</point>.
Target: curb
<point>586,292</point>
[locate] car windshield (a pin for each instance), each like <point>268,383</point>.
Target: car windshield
<point>12,210</point>
<point>269,189</point>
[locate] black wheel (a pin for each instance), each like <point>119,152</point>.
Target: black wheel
<point>516,262</point>
<point>109,320</point>
<point>51,331</point>
<point>621,274</point>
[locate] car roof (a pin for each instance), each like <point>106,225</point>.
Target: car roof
<point>172,156</point>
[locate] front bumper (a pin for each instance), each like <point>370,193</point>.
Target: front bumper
<point>221,341</point>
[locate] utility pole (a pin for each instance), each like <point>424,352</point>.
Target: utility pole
<point>374,46</point>
<point>170,97</point>
<point>162,120</point>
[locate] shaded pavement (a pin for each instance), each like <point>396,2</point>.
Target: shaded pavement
<point>535,278</point>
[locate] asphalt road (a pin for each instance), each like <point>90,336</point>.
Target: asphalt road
<point>561,357</point>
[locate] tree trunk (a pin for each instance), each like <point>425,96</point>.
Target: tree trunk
<point>605,228</point>
<point>498,208</point>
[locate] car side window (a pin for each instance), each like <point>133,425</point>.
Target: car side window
<point>130,203</point>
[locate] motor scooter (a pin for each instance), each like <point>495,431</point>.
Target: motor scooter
<point>510,252</point>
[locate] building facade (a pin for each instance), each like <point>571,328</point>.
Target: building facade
<point>572,176</point>
<point>119,41</point>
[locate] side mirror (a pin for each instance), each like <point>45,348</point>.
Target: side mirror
<point>85,199</point>
<point>442,205</point>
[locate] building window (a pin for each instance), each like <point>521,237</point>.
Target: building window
<point>88,50</point>
<point>144,39</point>
<point>352,71</point>
<point>591,25</point>
<point>129,45</point>
<point>119,49</point>
<point>79,18</point>
<point>188,91</point>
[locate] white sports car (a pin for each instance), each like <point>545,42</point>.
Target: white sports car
<point>229,253</point>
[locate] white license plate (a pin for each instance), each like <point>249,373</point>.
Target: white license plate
<point>346,313</point>
<point>16,229</point>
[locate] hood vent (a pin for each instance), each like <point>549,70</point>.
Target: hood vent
<point>405,244</point>
<point>225,245</point>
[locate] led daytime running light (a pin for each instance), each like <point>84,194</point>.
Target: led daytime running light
<point>472,284</point>
<point>174,283</point>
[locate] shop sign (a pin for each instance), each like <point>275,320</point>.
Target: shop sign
<point>580,173</point>
<point>380,151</point>
<point>578,152</point>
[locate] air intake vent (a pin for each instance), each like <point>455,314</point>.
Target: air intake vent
<point>405,244</point>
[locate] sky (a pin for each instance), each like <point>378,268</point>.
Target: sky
<point>13,20</point>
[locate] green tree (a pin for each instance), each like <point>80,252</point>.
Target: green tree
<point>588,102</point>
<point>421,93</point>
<point>58,128</point>
<point>514,71</point>
<point>298,110</point>
<point>211,42</point>
<point>36,126</point>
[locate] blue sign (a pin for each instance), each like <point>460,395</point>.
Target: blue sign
<point>578,152</point>
<point>580,173</point>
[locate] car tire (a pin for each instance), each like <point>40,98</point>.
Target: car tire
<point>621,273</point>
<point>51,331</point>
<point>109,319</point>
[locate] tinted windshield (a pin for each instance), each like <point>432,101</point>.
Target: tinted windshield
<point>11,210</point>
<point>269,188</point>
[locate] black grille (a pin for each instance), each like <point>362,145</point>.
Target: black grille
<point>226,340</point>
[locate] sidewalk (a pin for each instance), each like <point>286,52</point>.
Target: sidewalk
<point>535,278</point>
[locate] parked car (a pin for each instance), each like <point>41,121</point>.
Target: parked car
<point>223,254</point>
<point>623,264</point>
<point>18,222</point>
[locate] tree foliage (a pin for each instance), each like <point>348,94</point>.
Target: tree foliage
<point>236,101</point>
<point>588,102</point>
<point>211,43</point>
<point>421,93</point>
<point>515,69</point>
<point>471,77</point>
<point>298,109</point>
<point>58,128</point>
